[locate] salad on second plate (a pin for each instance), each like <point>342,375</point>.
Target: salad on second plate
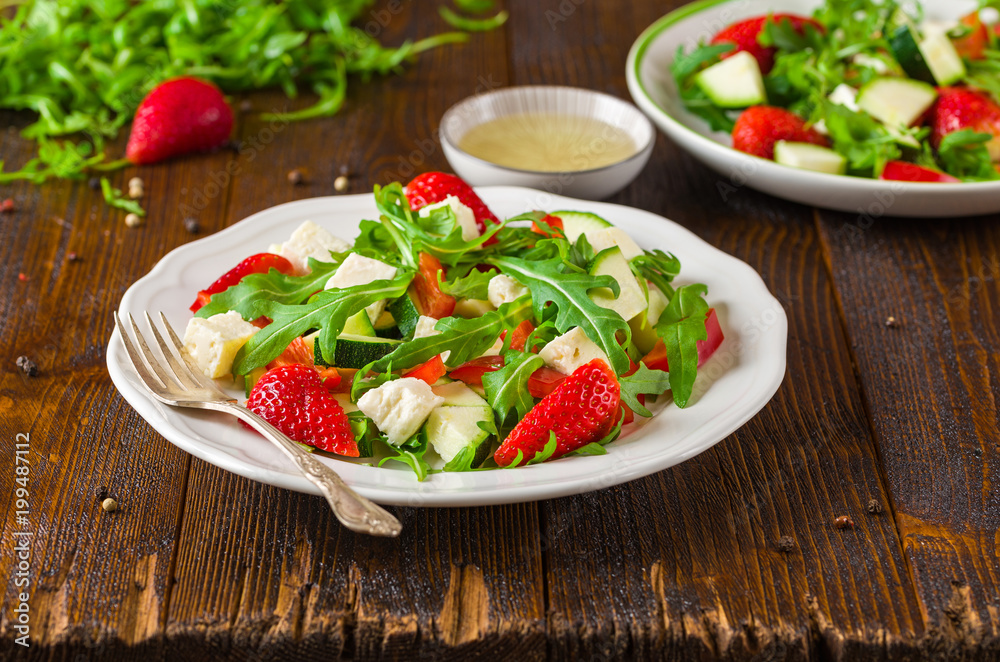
<point>862,88</point>
<point>449,340</point>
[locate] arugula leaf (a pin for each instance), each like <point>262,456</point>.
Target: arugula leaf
<point>465,458</point>
<point>686,64</point>
<point>327,311</point>
<point>592,448</point>
<point>365,432</point>
<point>683,68</point>
<point>657,267</point>
<point>867,144</point>
<point>681,326</point>
<point>474,285</point>
<point>548,282</point>
<point>472,24</point>
<point>643,381</point>
<point>114,197</point>
<point>507,388</point>
<point>964,155</point>
<point>411,453</point>
<point>547,450</point>
<point>272,286</point>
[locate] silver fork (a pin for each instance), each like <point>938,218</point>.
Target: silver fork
<point>174,381</point>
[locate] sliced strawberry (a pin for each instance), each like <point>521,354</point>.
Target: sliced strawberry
<point>429,371</point>
<point>901,171</point>
<point>293,399</point>
<point>746,34</point>
<point>433,187</point>
<point>579,411</point>
<point>431,301</point>
<point>179,116</point>
<point>958,108</point>
<point>260,263</point>
<point>759,127</point>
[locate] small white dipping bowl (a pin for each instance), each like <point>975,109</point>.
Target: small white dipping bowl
<point>592,184</point>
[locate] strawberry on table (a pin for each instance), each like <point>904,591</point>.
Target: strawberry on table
<point>759,127</point>
<point>959,108</point>
<point>581,410</point>
<point>260,263</point>
<point>901,171</point>
<point>745,35</point>
<point>179,116</point>
<point>433,187</point>
<point>293,399</point>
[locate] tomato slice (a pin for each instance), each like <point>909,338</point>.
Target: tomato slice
<point>431,301</point>
<point>260,263</point>
<point>331,377</point>
<point>974,44</point>
<point>520,335</point>
<point>543,381</point>
<point>657,357</point>
<point>554,222</point>
<point>471,373</point>
<point>298,352</point>
<point>429,371</point>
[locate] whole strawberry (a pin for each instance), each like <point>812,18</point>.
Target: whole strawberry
<point>759,127</point>
<point>581,410</point>
<point>179,116</point>
<point>745,35</point>
<point>293,399</point>
<point>433,187</point>
<point>959,108</point>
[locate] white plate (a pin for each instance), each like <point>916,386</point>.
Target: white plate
<point>655,92</point>
<point>731,387</point>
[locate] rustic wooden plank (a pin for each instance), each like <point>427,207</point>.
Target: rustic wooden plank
<point>930,386</point>
<point>266,573</point>
<point>100,580</point>
<point>685,563</point>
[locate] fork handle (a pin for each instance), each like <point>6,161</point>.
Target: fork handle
<point>353,510</point>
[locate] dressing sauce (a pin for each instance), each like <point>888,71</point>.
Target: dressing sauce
<point>548,142</point>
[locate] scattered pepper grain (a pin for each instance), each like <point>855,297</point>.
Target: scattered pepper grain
<point>296,177</point>
<point>341,183</point>
<point>133,220</point>
<point>786,544</point>
<point>874,507</point>
<point>7,206</point>
<point>109,505</point>
<point>890,321</point>
<point>27,366</point>
<point>192,225</point>
<point>843,522</point>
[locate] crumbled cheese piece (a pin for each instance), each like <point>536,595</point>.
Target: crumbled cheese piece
<point>504,289</point>
<point>570,351</point>
<point>360,270</point>
<point>846,96</point>
<point>425,329</point>
<point>608,237</point>
<point>309,241</point>
<point>213,341</point>
<point>399,407</point>
<point>463,215</point>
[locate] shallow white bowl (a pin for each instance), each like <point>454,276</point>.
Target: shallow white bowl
<point>594,184</point>
<point>655,92</point>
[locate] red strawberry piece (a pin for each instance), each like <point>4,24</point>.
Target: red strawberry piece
<point>901,171</point>
<point>293,399</point>
<point>581,410</point>
<point>179,116</point>
<point>759,127</point>
<point>745,35</point>
<point>433,187</point>
<point>260,263</point>
<point>959,108</point>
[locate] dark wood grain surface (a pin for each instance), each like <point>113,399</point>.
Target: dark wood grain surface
<point>895,426</point>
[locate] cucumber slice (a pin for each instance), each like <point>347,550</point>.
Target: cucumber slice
<point>896,101</point>
<point>385,326</point>
<point>576,223</point>
<point>631,300</point>
<point>735,82</point>
<point>809,157</point>
<point>457,394</point>
<point>472,308</point>
<point>359,325</point>
<point>942,59</point>
<point>404,311</point>
<point>251,378</point>
<point>643,325</point>
<point>359,351</point>
<point>451,429</point>
<point>905,45</point>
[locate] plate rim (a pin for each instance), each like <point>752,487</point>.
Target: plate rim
<point>768,381</point>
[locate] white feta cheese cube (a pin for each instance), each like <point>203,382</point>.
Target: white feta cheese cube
<point>425,329</point>
<point>846,96</point>
<point>213,341</point>
<point>504,289</point>
<point>309,241</point>
<point>570,351</point>
<point>360,270</point>
<point>399,407</point>
<point>463,215</point>
<point>608,237</point>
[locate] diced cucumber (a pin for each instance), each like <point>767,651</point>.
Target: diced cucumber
<point>942,59</point>
<point>608,237</point>
<point>359,325</point>
<point>359,351</point>
<point>896,101</point>
<point>472,308</point>
<point>735,82</point>
<point>630,301</point>
<point>404,311</point>
<point>385,326</point>
<point>449,430</point>
<point>905,45</point>
<point>809,157</point>
<point>576,223</point>
<point>643,332</point>
<point>457,394</point>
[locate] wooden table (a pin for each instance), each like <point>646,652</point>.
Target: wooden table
<point>893,425</point>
